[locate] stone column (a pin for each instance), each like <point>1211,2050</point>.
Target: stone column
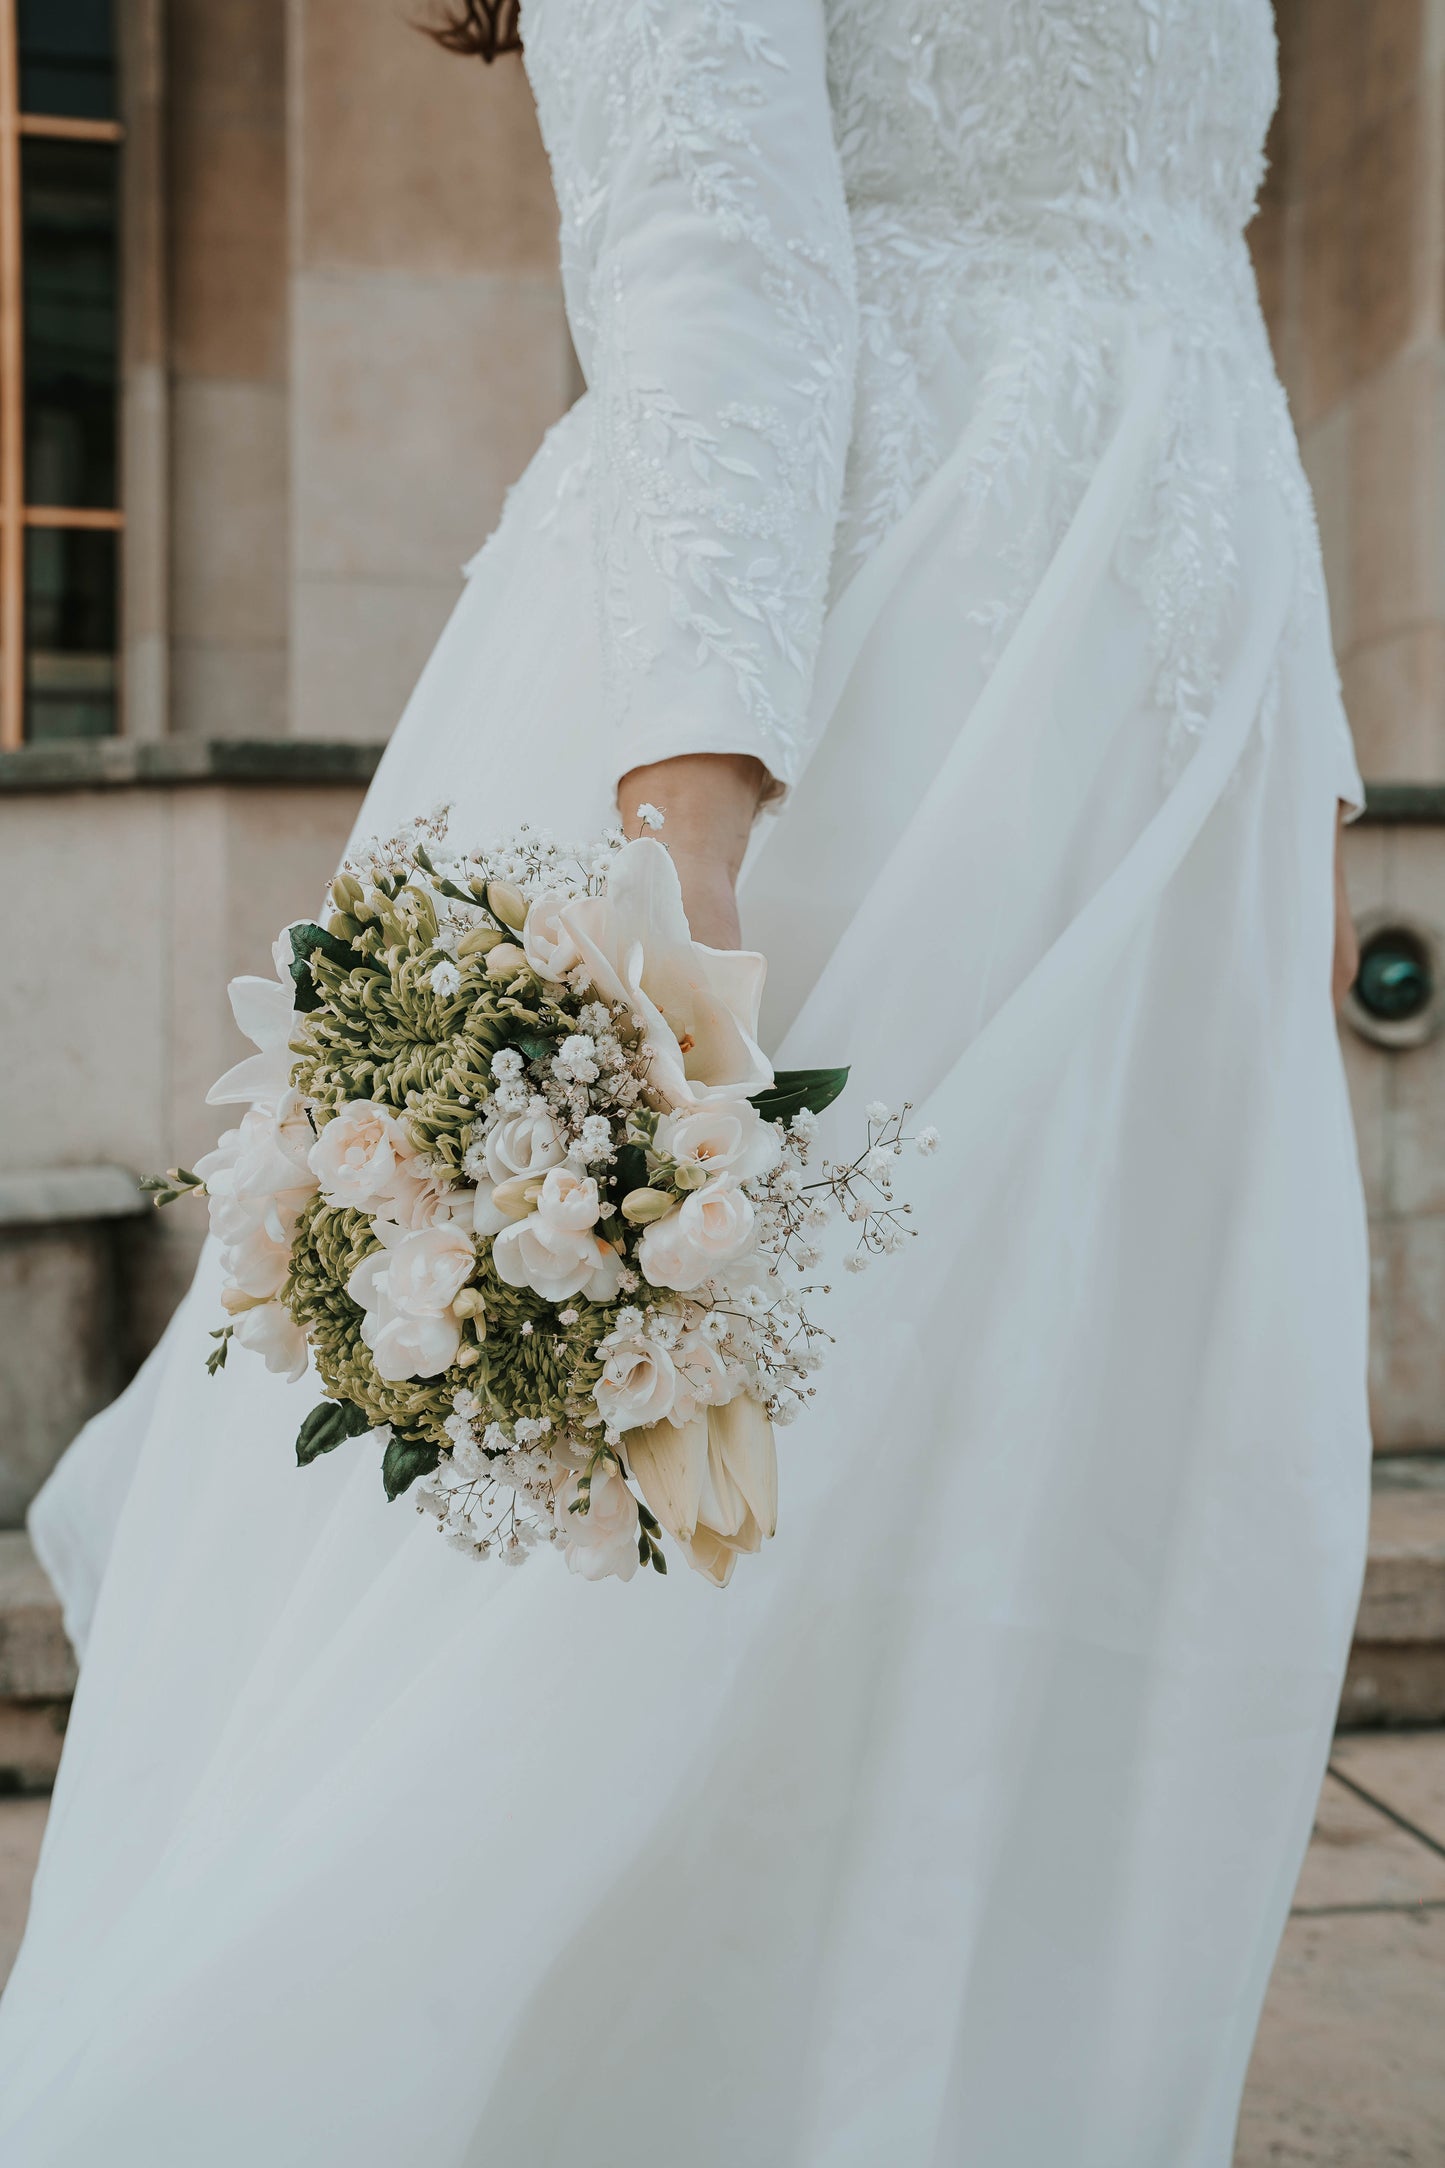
<point>226,199</point>
<point>428,346</point>
<point>1350,244</point>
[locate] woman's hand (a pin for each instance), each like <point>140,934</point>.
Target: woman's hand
<point>708,802</point>
<point>1347,947</point>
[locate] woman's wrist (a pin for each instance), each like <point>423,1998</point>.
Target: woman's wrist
<point>708,803</point>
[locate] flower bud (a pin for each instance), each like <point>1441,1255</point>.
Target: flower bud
<point>641,1206</point>
<point>507,903</point>
<point>344,926</point>
<point>480,942</point>
<point>518,1196</point>
<point>690,1175</point>
<point>346,892</point>
<point>468,1355</point>
<point>505,961</point>
<point>468,1303</point>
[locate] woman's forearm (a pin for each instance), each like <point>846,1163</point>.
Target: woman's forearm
<point>708,802</point>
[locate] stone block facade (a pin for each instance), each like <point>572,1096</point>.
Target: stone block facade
<point>343,339</point>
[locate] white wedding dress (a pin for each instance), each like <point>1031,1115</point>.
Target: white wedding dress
<point>932,452</point>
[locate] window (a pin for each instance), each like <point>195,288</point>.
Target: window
<point>60,521</point>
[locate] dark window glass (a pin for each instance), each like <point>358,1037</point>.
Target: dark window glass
<point>68,197</point>
<point>70,632</point>
<point>67,58</point>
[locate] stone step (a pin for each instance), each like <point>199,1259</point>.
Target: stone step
<point>1396,1674</point>
<point>1397,1667</point>
<point>37,1669</point>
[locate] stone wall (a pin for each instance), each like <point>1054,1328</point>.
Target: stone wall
<point>344,339</point>
<point>1350,244</point>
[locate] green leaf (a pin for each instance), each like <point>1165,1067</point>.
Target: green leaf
<point>534,1045</point>
<point>404,1460</point>
<point>793,1089</point>
<point>630,1171</point>
<point>306,939</point>
<point>327,1427</point>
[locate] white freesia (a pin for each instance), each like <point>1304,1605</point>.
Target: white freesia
<point>603,1540</point>
<point>697,1006</point>
<point>547,945</point>
<point>257,1265</point>
<point>712,1482</point>
<point>269,1330</point>
<point>556,1261</point>
<point>724,1136</point>
<point>257,1176</point>
<point>361,1154</point>
<point>638,1384</point>
<point>487,1218</point>
<point>413,1347</point>
<point>265,1010</point>
<point>427,1270</point>
<point>526,1144</point>
<point>569,1200</point>
<point>714,1224</point>
<point>701,1373</point>
<point>409,1336</point>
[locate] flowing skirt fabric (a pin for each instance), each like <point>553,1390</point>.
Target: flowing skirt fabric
<point>962,1827</point>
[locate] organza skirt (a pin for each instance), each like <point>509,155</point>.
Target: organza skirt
<point>963,1826</point>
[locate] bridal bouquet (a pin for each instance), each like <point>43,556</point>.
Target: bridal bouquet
<point>518,1180</point>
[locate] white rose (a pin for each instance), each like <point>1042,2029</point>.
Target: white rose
<point>714,1225</point>
<point>360,1153</point>
<point>426,1270</point>
<point>698,1006</point>
<point>272,1332</point>
<point>724,1136</point>
<point>603,1540</point>
<point>546,943</point>
<point>554,1262</point>
<point>527,1144</point>
<point>569,1200</point>
<point>638,1385</point>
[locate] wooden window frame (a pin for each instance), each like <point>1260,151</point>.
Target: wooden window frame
<point>15,514</point>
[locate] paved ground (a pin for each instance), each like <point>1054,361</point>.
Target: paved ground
<point>1350,2067</point>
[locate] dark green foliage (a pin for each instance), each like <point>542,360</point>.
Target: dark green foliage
<point>793,1089</point>
<point>327,1427</point>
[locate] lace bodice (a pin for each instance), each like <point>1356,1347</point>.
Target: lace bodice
<point>785,221</point>
<point>993,108</point>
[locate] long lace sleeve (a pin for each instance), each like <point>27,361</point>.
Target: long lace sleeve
<point>708,266</point>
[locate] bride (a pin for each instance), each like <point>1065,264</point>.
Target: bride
<point>933,496</point>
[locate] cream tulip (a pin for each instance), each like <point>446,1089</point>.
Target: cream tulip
<point>698,1006</point>
<point>712,1482</point>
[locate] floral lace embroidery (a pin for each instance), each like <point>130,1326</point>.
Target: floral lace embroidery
<point>732,504</point>
<point>1020,175</point>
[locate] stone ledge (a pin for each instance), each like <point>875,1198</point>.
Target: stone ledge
<point>1404,805</point>
<point>1396,1674</point>
<point>163,763</point>
<point>166,763</point>
<point>52,1196</point>
<point>36,1663</point>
